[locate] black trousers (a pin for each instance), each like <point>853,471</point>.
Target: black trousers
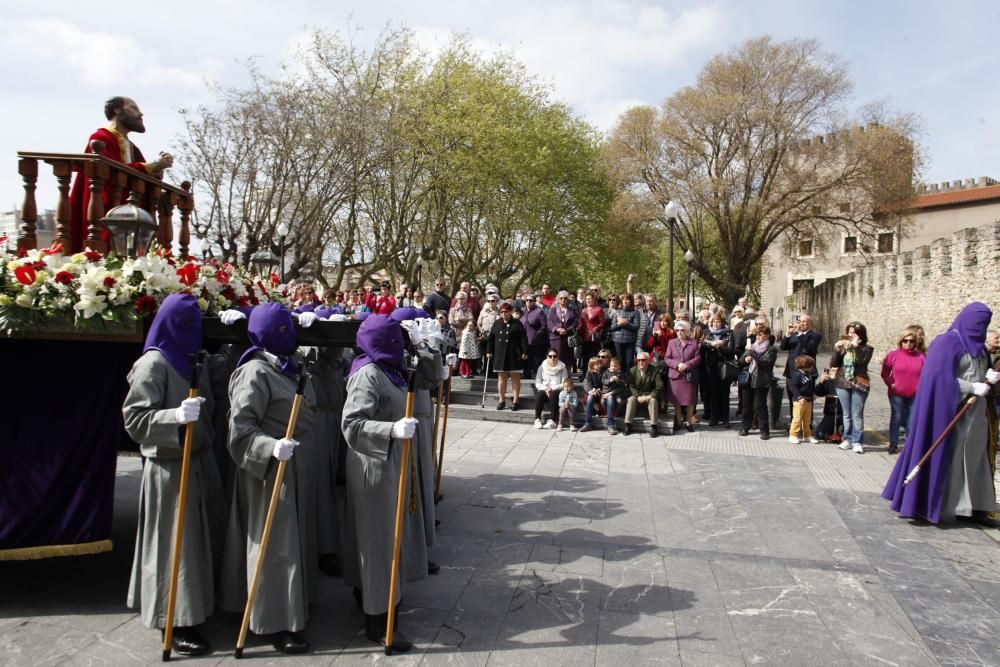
<point>755,399</point>
<point>716,398</point>
<point>553,402</point>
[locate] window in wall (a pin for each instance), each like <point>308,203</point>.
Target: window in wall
<point>850,245</point>
<point>886,242</point>
<point>802,283</point>
<point>804,249</point>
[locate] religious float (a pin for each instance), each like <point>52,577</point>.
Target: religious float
<point>72,325</point>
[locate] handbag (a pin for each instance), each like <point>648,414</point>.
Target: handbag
<point>729,371</point>
<point>743,379</point>
<point>861,384</point>
<point>573,340</point>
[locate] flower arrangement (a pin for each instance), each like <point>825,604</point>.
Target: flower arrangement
<point>91,292</point>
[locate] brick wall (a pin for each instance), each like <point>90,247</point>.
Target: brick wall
<point>927,285</point>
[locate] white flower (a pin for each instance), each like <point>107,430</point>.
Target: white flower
<point>24,299</point>
<point>90,304</point>
<point>203,304</point>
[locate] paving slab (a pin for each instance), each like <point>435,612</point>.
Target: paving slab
<point>584,549</point>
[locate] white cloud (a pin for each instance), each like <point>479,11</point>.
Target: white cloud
<point>96,57</point>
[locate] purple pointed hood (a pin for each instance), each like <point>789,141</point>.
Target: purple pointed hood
<point>381,342</point>
<point>937,401</point>
<point>176,331</point>
<point>271,328</point>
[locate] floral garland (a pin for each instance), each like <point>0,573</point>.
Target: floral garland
<point>88,291</point>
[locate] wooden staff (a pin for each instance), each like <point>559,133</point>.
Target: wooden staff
<point>437,418</point>
<point>444,430</point>
<point>940,439</point>
<point>175,559</point>
<point>404,468</point>
<point>272,509</point>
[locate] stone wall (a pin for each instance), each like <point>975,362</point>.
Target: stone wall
<point>927,285</point>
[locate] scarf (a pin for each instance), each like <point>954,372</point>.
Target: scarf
<point>849,357</point>
<point>760,348</point>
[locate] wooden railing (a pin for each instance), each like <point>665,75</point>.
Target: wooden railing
<point>158,198</point>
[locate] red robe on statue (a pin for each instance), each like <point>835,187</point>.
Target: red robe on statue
<point>118,148</point>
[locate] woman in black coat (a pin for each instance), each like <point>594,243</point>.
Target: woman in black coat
<point>758,360</point>
<point>507,342</point>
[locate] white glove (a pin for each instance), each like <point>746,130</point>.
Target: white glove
<point>404,428</point>
<point>451,359</point>
<point>411,328</point>
<point>337,317</point>
<point>189,410</point>
<point>980,388</point>
<point>284,448</point>
<point>306,320</point>
<point>992,376</point>
<point>231,317</point>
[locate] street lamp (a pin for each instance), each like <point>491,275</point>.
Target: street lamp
<point>670,212</point>
<point>282,233</point>
<point>689,260</point>
<point>263,262</point>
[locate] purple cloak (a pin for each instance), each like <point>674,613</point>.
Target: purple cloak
<point>380,340</point>
<point>937,402</point>
<point>270,327</point>
<point>176,331</point>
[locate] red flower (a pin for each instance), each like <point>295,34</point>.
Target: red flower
<point>145,304</point>
<point>275,280</point>
<point>244,301</point>
<point>55,249</point>
<point>188,273</point>
<point>64,278</point>
<point>4,238</point>
<point>39,266</point>
<point>229,292</point>
<point>109,282</point>
<point>222,277</point>
<point>22,252</point>
<point>25,274</point>
<point>93,255</point>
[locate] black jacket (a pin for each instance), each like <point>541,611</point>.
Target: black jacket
<point>799,344</point>
<point>507,341</point>
<point>764,372</point>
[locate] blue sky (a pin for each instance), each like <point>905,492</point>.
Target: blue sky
<point>937,59</point>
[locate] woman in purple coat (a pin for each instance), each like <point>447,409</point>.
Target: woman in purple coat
<point>683,357</point>
<point>537,329</point>
<point>562,322</point>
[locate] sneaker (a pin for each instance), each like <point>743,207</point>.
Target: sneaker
<point>859,448</point>
<point>559,428</point>
<point>538,423</point>
<point>612,430</point>
<point>846,446</point>
<point>550,424</point>
<point>585,428</point>
<point>793,439</point>
<point>813,441</point>
<point>572,429</point>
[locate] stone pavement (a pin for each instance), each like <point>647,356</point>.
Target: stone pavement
<point>586,549</point>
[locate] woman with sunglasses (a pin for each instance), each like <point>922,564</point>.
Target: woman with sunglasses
<point>901,373</point>
<point>562,321</point>
<point>548,382</point>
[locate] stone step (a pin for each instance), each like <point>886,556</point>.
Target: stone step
<point>466,405</point>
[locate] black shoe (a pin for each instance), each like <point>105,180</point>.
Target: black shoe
<point>501,405</point>
<point>514,407</point>
<point>375,626</point>
<point>289,642</point>
<point>653,431</point>
<point>764,435</point>
<point>187,641</point>
<point>893,449</point>
<point>628,429</point>
<point>689,426</point>
<point>329,565</point>
<point>743,431</point>
<point>432,567</point>
<point>713,422</point>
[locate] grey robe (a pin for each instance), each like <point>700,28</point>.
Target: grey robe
<point>969,484</point>
<point>430,373</point>
<point>328,382</point>
<point>261,398</point>
<point>374,461</point>
<point>220,369</point>
<point>155,390</point>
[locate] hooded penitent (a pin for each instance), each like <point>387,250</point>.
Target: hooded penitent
<point>176,331</point>
<point>272,329</point>
<point>937,402</point>
<point>380,340</point>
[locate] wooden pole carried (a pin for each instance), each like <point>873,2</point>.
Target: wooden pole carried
<point>940,439</point>
<point>444,430</point>
<point>437,419</point>
<point>404,468</point>
<point>272,509</point>
<point>175,560</point>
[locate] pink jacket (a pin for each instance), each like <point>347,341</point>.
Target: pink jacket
<point>901,372</point>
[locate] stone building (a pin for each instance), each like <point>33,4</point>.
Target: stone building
<point>936,211</point>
